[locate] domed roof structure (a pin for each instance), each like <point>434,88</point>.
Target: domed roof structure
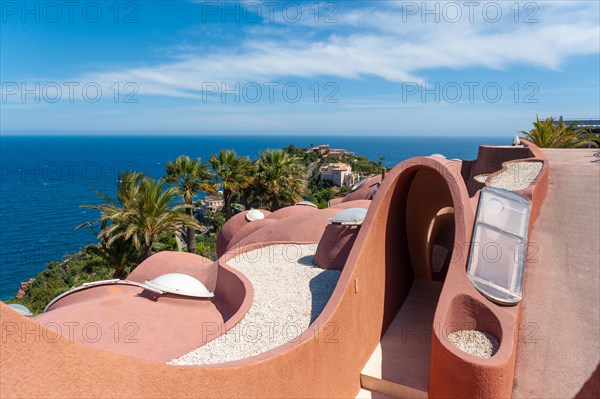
<point>179,284</point>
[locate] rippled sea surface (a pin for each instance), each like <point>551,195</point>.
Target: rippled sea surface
<point>44,180</point>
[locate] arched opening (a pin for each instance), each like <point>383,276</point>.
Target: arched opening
<point>429,225</point>
<point>420,239</point>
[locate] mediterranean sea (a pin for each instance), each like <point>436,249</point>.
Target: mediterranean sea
<point>45,179</point>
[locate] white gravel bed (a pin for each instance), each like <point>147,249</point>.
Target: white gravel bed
<point>476,343</point>
<point>518,175</point>
<point>481,178</point>
<point>289,293</point>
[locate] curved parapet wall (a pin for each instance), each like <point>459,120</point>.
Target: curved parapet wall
<point>239,232</point>
<point>325,361</point>
<point>290,211</point>
<point>491,159</point>
<point>454,373</point>
<point>535,179</point>
<point>230,228</point>
<point>203,269</point>
<point>537,184</point>
<point>233,294</point>
<point>248,230</point>
<point>352,204</point>
<point>129,320</point>
<point>335,246</point>
<point>364,192</point>
<point>301,225</point>
<point>127,317</point>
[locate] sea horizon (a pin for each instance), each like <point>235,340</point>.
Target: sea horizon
<point>249,134</point>
<point>45,179</point>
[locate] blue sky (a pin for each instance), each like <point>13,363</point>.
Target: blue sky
<point>283,67</point>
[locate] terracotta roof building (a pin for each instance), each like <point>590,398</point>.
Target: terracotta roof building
<point>339,174</point>
<point>211,203</point>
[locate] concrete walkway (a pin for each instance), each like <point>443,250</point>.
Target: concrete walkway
<point>559,341</point>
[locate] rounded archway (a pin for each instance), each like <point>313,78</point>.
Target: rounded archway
<point>429,224</point>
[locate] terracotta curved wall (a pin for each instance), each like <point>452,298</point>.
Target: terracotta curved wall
<point>362,193</point>
<point>491,159</point>
<point>228,231</point>
<point>290,211</point>
<point>233,294</point>
<point>306,226</point>
<point>335,246</point>
<point>160,327</point>
<point>247,230</point>
<point>324,361</point>
<point>428,194</point>
<point>337,240</point>
<point>231,290</point>
<point>230,228</point>
<point>538,187</point>
<point>165,262</point>
<point>352,204</point>
<point>454,373</point>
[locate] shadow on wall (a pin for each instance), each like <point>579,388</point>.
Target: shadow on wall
<point>418,233</point>
<point>321,288</point>
<point>419,244</point>
<point>335,246</point>
<point>429,223</point>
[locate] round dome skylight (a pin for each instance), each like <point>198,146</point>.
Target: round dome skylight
<point>306,203</point>
<point>254,214</point>
<point>350,217</point>
<point>180,284</point>
<point>20,309</point>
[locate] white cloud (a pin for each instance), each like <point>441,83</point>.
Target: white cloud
<point>381,41</point>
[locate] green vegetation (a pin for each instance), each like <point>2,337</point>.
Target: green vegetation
<point>143,214</point>
<point>548,134</point>
<point>76,269</point>
<point>146,216</point>
<point>322,191</point>
<point>119,253</point>
<point>207,246</point>
<point>233,173</point>
<point>282,177</point>
<point>191,177</point>
<point>366,167</point>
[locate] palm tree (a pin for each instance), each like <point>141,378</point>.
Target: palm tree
<point>234,174</point>
<point>120,252</point>
<point>191,177</point>
<point>149,217</point>
<point>254,192</point>
<point>282,176</point>
<point>548,134</point>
